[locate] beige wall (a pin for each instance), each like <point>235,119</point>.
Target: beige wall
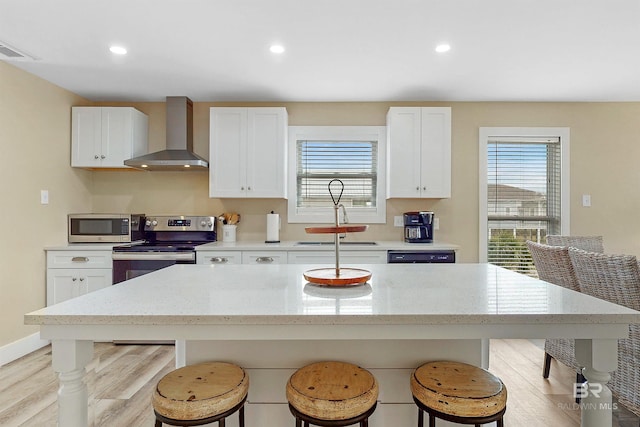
<point>35,152</point>
<point>604,163</point>
<point>35,131</point>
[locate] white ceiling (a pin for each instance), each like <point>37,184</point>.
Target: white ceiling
<point>336,50</point>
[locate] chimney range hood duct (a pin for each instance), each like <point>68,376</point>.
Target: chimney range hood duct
<point>179,155</point>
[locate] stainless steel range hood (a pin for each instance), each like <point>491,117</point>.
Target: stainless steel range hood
<point>179,155</point>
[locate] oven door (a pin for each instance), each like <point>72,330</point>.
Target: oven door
<point>127,265</point>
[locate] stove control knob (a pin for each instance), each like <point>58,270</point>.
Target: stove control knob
<point>154,222</point>
<point>206,224</point>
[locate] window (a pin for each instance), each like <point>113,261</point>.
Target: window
<point>353,154</point>
<point>523,192</point>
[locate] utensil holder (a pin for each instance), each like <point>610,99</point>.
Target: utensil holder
<point>229,232</point>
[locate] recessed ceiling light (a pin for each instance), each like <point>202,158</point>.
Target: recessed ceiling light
<point>118,50</point>
<point>443,48</point>
<point>276,48</point>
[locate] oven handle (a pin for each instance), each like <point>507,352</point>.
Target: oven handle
<point>118,256</point>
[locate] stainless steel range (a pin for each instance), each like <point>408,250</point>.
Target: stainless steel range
<point>168,240</point>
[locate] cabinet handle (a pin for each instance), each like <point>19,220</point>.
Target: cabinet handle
<point>424,188</point>
<point>242,188</point>
<point>80,259</point>
<point>417,188</point>
<point>103,156</point>
<point>73,279</point>
<point>264,259</point>
<point>249,188</point>
<point>96,157</point>
<point>82,279</point>
<point>219,260</point>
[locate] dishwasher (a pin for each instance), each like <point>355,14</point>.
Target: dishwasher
<point>421,257</point>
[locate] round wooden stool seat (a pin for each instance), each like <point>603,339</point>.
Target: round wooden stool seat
<point>459,390</point>
<point>332,391</point>
<point>200,391</point>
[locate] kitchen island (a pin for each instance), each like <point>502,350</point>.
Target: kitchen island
<point>267,318</point>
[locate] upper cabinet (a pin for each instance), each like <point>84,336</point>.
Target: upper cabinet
<point>419,152</point>
<point>104,137</point>
<point>248,152</point>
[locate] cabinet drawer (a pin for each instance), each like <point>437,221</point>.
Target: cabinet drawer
<point>329,257</point>
<point>218,257</point>
<point>270,257</point>
<point>79,259</point>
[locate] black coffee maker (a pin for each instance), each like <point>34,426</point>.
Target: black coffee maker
<point>418,227</point>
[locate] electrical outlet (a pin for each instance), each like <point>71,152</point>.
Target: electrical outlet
<point>44,197</point>
<point>586,200</point>
<point>398,221</point>
<point>436,223</point>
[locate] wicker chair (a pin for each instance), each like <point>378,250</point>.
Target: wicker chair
<point>554,266</point>
<point>616,278</point>
<point>586,243</point>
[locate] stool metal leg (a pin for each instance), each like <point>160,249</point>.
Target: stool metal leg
<point>241,417</point>
<point>221,423</point>
<point>420,418</point>
<point>432,421</point>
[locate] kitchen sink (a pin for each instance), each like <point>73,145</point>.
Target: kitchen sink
<point>332,243</point>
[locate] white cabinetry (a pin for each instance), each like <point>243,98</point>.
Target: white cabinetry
<point>247,148</point>
<point>419,152</point>
<point>267,257</point>
<point>329,257</point>
<point>74,273</point>
<point>104,137</point>
<point>241,257</point>
<point>218,257</point>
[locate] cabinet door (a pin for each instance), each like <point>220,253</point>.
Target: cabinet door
<point>94,279</point>
<point>266,257</point>
<point>86,136</point>
<point>116,136</point>
<point>266,152</point>
<point>218,257</point>
<point>228,152</point>
<point>435,173</point>
<point>403,152</point>
<point>62,284</point>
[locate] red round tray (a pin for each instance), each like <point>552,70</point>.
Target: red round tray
<point>329,277</point>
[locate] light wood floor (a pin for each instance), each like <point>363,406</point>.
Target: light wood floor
<point>120,386</point>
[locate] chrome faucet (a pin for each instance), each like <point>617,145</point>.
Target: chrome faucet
<point>345,219</point>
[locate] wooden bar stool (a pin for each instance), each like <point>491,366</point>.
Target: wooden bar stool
<point>332,394</point>
<point>201,394</point>
<point>459,393</point>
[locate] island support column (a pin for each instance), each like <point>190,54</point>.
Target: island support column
<point>599,358</point>
<point>69,359</point>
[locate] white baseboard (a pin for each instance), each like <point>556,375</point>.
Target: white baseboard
<point>21,347</point>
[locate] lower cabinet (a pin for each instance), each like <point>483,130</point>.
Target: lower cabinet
<point>74,273</point>
<point>64,284</point>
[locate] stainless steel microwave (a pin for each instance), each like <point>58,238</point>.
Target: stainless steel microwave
<point>105,228</point>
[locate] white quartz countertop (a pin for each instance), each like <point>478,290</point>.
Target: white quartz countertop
<point>397,294</point>
<point>328,245</point>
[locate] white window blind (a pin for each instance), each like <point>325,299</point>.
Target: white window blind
<point>353,162</point>
<point>523,197</point>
